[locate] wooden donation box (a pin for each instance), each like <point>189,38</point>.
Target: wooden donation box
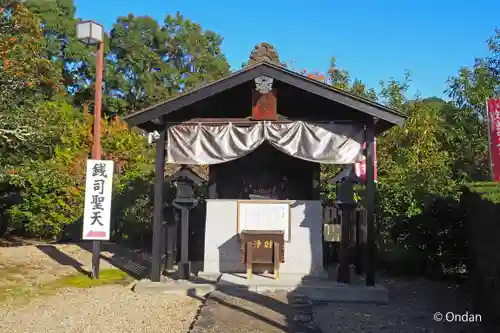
<point>262,247</point>
<point>264,227</point>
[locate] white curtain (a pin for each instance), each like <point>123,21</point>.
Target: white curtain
<point>212,144</point>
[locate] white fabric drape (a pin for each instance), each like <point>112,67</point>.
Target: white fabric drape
<point>213,144</point>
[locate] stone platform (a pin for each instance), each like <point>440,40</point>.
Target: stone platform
<point>315,288</point>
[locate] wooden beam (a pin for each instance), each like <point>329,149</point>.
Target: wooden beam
<point>163,249</point>
<point>264,106</point>
<point>359,268</point>
<point>389,117</point>
<point>316,188</point>
<point>158,236</point>
<point>318,88</point>
<point>370,202</point>
<point>157,121</point>
<point>194,96</point>
<point>212,182</point>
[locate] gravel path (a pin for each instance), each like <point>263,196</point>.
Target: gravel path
<point>411,309</point>
<point>107,309</point>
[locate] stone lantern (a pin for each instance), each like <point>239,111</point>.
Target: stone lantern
<point>185,181</point>
<point>346,203</point>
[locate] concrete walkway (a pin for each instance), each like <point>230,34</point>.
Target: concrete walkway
<point>244,311</point>
<point>263,305</point>
<point>412,307</point>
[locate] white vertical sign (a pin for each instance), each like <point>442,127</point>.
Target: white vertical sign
<point>97,206</point>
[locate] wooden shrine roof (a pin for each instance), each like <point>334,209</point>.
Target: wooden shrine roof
<point>319,101</point>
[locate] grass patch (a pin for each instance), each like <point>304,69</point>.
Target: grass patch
<point>78,280</point>
<point>24,291</point>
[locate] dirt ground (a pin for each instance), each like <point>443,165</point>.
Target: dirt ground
<point>35,265</point>
<point>110,308</point>
<point>115,308</point>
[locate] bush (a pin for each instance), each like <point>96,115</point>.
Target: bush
<point>431,244</point>
<point>52,190</point>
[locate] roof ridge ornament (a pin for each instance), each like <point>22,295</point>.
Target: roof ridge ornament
<point>263,84</point>
<point>264,52</point>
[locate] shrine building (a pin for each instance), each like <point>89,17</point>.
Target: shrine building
<point>263,131</point>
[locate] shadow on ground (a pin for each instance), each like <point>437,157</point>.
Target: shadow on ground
<point>233,308</point>
<point>135,263</point>
<point>223,308</point>
<point>62,258</point>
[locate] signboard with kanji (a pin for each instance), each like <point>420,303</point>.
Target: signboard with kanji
<point>263,242</point>
<point>97,206</point>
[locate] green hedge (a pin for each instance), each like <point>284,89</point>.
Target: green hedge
<point>486,190</point>
<point>481,205</point>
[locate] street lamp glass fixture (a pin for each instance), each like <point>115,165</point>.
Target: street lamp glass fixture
<point>89,32</point>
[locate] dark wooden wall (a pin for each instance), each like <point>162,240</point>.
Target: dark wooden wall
<point>266,172</point>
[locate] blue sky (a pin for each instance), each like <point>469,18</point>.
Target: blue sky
<point>432,38</point>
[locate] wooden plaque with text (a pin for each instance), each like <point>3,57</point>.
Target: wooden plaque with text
<point>263,245</point>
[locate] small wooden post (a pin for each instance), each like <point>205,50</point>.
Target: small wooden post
<point>277,260</point>
<point>249,260</point>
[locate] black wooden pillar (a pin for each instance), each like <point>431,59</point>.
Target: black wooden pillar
<point>163,249</point>
<point>345,225</point>
<point>158,235</point>
<point>370,202</point>
<point>359,268</point>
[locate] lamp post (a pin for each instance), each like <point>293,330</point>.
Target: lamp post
<point>92,33</point>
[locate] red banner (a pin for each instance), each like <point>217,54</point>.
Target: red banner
<point>360,167</point>
<point>494,137</point>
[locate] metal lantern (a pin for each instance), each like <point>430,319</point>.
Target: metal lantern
<point>90,32</point>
